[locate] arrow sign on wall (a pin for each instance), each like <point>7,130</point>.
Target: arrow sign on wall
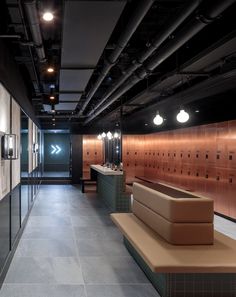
<point>55,149</point>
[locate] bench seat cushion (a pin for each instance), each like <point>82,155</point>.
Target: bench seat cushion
<point>166,258</point>
<point>176,210</point>
<point>175,233</point>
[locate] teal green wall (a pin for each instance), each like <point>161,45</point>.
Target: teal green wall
<point>55,161</point>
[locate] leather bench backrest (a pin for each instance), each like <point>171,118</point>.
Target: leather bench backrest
<point>181,210</point>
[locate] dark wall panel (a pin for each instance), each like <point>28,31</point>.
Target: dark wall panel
<point>24,201</point>
<point>15,212</point>
<point>4,229</point>
<point>77,155</point>
<point>12,80</point>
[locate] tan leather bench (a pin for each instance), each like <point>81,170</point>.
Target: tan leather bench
<point>179,217</point>
<point>167,258</point>
<point>184,207</point>
<point>175,233</point>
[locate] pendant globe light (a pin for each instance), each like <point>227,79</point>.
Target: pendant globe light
<point>103,135</point>
<point>158,120</point>
<point>182,116</point>
<point>99,137</point>
<point>109,135</point>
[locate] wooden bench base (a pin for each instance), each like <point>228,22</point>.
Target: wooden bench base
<point>187,284</point>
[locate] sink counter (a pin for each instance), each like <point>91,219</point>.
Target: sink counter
<point>111,188</point>
<point>105,171</point>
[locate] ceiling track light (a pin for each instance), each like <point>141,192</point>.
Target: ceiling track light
<point>182,116</point>
<point>158,120</point>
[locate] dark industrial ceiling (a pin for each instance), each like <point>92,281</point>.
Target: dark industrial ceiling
<point>118,62</point>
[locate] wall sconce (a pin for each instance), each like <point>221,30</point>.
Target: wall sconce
<point>35,148</point>
<point>9,147</point>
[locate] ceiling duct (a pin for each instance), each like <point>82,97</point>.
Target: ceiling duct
<point>213,86</point>
<point>93,23</point>
<point>210,58</point>
<point>33,19</point>
<point>191,29</point>
<point>159,39</point>
<point>140,12</point>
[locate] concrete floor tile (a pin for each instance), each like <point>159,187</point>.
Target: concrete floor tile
<point>111,270</point>
<point>42,291</point>
<point>121,291</point>
<point>46,248</point>
<point>30,270</point>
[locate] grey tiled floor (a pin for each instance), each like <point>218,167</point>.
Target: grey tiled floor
<point>70,248</point>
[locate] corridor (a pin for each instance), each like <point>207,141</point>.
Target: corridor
<point>71,248</point>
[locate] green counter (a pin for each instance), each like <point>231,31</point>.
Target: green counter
<point>111,189</point>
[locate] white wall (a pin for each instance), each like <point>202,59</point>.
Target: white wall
<point>4,128</point>
<point>30,145</point>
<point>16,120</point>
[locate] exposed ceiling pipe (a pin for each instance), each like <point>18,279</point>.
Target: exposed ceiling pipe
<point>140,12</point>
<point>30,51</point>
<point>32,15</point>
<point>158,40</point>
<point>15,36</point>
<point>215,85</point>
<point>191,29</point>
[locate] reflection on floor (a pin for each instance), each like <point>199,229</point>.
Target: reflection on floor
<point>56,174</point>
<point>70,248</point>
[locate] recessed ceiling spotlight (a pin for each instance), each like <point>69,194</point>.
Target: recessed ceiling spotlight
<point>53,124</point>
<point>52,97</point>
<point>146,124</point>
<point>50,70</point>
<point>53,119</point>
<point>197,110</point>
<point>48,16</point>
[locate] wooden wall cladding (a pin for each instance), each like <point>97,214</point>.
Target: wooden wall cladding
<point>92,152</point>
<point>201,159</point>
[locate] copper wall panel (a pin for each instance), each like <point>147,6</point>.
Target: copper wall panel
<point>231,192</point>
<point>92,153</point>
<point>201,159</point>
